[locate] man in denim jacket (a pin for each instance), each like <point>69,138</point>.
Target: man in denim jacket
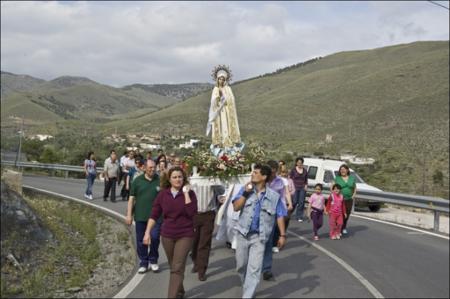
<point>259,207</point>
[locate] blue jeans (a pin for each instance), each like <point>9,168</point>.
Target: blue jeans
<point>249,259</point>
<point>299,202</point>
<point>90,182</point>
<point>267,262</point>
<point>142,250</point>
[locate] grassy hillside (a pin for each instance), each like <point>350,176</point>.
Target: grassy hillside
<point>341,90</point>
<point>390,101</point>
<point>20,105</point>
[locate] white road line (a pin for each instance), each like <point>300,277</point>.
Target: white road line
<point>402,226</point>
<point>131,285</point>
<point>346,266</point>
<point>78,200</point>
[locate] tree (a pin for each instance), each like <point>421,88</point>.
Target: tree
<point>49,155</point>
<point>33,148</point>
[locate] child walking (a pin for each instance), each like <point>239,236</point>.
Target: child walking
<point>315,209</point>
<point>336,209</point>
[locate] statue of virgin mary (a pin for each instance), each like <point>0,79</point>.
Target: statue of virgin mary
<point>222,120</point>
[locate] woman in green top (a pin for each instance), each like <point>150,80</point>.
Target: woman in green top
<point>348,185</point>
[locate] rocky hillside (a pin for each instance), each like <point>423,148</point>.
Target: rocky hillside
<point>52,248</point>
<point>20,223</point>
<point>177,91</point>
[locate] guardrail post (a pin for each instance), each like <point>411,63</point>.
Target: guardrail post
<point>436,221</point>
<point>66,174</point>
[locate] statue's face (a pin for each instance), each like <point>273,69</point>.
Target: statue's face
<point>221,80</point>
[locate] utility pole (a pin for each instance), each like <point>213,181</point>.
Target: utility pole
<point>20,142</point>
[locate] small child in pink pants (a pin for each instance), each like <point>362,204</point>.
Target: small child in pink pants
<point>335,208</point>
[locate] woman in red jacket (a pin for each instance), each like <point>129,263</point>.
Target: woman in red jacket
<point>178,206</point>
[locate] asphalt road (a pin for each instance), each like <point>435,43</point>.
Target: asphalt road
<point>375,259</point>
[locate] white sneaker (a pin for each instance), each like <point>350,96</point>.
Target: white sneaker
<point>86,196</point>
<point>234,243</point>
<point>90,197</point>
<point>275,250</point>
<point>142,270</point>
<point>154,267</point>
<point>345,232</point>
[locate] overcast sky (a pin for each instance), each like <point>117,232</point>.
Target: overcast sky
<point>118,43</point>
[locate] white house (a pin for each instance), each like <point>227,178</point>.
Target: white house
<point>189,144</point>
<point>41,137</point>
<point>148,146</point>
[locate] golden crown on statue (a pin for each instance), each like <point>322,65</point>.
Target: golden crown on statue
<point>222,70</point>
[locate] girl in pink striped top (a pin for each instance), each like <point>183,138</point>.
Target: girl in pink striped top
<point>315,209</point>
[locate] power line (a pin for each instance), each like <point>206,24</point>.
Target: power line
<point>438,4</point>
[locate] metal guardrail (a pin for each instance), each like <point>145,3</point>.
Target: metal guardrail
<point>435,204</point>
<point>62,167</point>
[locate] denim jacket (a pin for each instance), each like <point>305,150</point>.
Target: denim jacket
<point>268,214</point>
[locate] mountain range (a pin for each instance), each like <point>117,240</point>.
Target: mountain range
<point>78,98</point>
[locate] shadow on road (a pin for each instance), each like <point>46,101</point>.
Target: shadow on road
<point>288,281</point>
<point>305,229</point>
<point>221,274</point>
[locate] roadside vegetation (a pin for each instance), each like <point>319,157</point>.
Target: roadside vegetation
<point>64,266</point>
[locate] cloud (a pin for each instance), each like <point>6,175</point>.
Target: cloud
<point>119,43</point>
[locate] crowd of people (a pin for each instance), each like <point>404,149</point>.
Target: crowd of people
<point>167,209</point>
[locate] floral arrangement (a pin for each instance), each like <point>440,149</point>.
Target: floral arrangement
<point>225,166</point>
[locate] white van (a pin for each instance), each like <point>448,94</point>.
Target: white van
<point>324,171</point>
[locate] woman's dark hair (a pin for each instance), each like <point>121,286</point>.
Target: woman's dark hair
<point>165,179</point>
<point>336,186</point>
<point>273,164</point>
<point>160,157</point>
<point>89,154</point>
<point>299,159</point>
<point>319,185</point>
<point>346,167</point>
<point>265,170</point>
